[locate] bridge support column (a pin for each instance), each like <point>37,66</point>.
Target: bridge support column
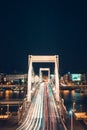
<point>29,79</point>
<point>40,75</point>
<point>57,78</point>
<point>49,76</point>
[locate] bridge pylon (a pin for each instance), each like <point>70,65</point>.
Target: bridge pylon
<point>43,59</point>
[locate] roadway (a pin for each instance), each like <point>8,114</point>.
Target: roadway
<point>54,117</point>
<point>34,118</point>
<point>43,113</point>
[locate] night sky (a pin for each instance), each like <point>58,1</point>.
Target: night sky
<point>40,27</point>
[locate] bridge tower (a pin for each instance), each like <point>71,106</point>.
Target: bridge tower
<point>44,69</point>
<point>43,59</point>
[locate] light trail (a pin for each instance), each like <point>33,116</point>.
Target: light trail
<point>43,112</point>
<point>52,110</point>
<point>55,118</point>
<point>46,108</point>
<point>35,113</point>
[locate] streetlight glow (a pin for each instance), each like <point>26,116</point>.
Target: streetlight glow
<point>71,115</point>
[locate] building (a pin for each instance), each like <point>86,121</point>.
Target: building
<point>16,78</point>
<point>75,78</point>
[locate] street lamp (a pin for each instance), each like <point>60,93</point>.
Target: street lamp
<point>71,114</point>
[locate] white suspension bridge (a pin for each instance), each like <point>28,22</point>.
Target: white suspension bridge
<point>45,109</point>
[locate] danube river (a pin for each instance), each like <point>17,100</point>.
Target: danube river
<point>79,98</point>
<point>11,95</point>
<point>69,97</point>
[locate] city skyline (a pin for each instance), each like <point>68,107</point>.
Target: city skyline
<point>43,28</point>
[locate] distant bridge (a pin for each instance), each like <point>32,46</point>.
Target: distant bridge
<point>15,102</point>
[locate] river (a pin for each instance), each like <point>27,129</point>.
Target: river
<point>7,95</point>
<point>70,97</point>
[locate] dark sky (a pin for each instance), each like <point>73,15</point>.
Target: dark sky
<point>40,27</point>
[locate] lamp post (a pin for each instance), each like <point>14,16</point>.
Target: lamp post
<point>71,115</point>
<point>74,106</point>
<point>72,120</point>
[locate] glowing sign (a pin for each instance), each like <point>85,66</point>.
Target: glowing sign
<point>76,77</point>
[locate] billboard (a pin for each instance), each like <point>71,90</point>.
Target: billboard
<point>76,77</point>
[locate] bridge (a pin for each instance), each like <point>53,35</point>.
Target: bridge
<point>43,109</point>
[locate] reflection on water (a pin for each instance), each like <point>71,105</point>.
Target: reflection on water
<point>80,100</point>
<point>8,94</point>
<point>1,94</point>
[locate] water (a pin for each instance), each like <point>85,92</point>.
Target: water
<point>69,97</point>
<point>10,95</point>
<point>80,100</point>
